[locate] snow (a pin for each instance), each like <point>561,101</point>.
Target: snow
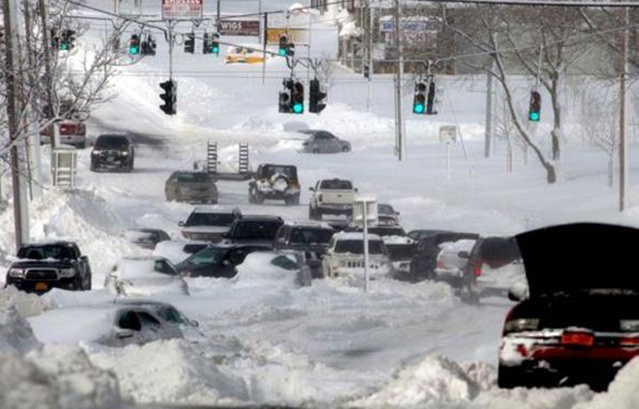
<point>333,343</point>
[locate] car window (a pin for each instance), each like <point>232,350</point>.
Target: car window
<point>129,320</point>
<point>57,252</point>
<point>194,177</point>
<point>357,246</point>
<point>111,141</point>
<point>206,256</point>
<point>336,184</point>
<point>170,314</point>
<point>163,267</point>
<point>210,219</point>
<point>147,320</point>
<point>285,262</point>
<point>311,236</point>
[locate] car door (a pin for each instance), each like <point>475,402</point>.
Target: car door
<point>331,143</point>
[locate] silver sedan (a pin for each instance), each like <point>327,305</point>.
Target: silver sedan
<point>324,142</point>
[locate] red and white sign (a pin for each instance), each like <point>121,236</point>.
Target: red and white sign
<point>182,9</point>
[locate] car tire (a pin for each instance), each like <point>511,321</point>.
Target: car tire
<point>346,149</point>
<point>316,150</point>
<point>311,214</point>
<point>259,197</point>
<point>94,167</point>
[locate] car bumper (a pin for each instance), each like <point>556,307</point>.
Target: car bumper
<point>215,237</point>
<point>336,208</point>
<point>34,286</point>
<point>110,161</point>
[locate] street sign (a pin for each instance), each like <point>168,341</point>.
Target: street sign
<point>447,133</point>
<point>182,9</point>
<point>239,28</point>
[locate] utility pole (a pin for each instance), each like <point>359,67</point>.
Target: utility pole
<point>623,154</point>
<point>48,77</point>
<point>33,143</point>
<point>13,81</point>
<point>398,85</point>
<point>489,114</point>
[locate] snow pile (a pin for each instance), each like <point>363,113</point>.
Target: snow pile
<point>435,380</point>
<point>83,216</point>
<point>26,304</point>
<point>16,335</point>
<point>258,269</point>
<point>622,392</point>
<point>56,377</point>
<point>171,371</point>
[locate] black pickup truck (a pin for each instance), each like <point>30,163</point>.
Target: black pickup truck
<point>42,266</point>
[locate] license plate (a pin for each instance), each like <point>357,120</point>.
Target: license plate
<point>41,286</point>
<point>578,339</point>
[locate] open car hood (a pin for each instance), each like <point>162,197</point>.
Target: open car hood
<point>580,257</point>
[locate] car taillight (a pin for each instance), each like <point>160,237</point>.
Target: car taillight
<point>440,264</point>
<point>577,338</point>
<point>477,269</point>
<point>629,342</point>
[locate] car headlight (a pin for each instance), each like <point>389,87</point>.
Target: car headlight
<point>521,325</point>
<point>125,153</point>
<point>66,273</point>
<point>16,273</point>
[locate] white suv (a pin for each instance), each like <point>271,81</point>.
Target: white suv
<point>209,223</point>
<point>345,256</point>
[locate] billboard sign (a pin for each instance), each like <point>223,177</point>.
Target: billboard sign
<point>182,9</point>
<point>239,28</point>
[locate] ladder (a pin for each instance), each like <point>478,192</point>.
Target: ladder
<point>211,157</point>
<point>243,161</point>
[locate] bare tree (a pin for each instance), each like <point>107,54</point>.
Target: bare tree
<point>542,43</point>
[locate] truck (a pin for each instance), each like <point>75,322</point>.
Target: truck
<point>275,182</point>
<point>331,196</point>
<point>39,267</point>
<point>345,256</point>
<point>72,132</point>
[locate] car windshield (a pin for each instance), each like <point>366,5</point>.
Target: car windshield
<point>114,142</point>
<point>387,231</point>
<point>400,251</point>
<point>336,184</point>
<point>210,219</point>
<point>385,209</point>
<point>357,246</point>
<point>194,177</point>
<point>311,236</point>
<point>254,230</point>
<point>207,256</point>
<point>41,252</point>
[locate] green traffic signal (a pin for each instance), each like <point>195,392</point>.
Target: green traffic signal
<point>418,109</point>
<point>298,108</point>
<point>534,116</point>
<point>282,52</point>
<point>134,50</point>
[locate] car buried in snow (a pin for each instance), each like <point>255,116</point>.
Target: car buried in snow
<point>114,324</point>
<point>145,275</point>
<point>578,319</point>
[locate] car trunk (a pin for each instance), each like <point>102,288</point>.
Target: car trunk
<point>578,257</point>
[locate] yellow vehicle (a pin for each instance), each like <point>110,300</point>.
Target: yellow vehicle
<point>244,54</point>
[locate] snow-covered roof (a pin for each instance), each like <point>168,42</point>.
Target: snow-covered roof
<point>354,236</point>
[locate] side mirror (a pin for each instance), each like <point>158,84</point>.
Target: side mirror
<point>194,323</point>
<point>463,254</point>
<point>312,189</point>
<point>124,333</point>
<point>180,224</point>
<point>355,189</point>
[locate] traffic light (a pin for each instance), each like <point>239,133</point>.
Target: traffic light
<point>316,97</point>
<point>419,100</point>
<point>283,50</point>
<point>189,43</point>
<point>285,96</point>
<point>148,46</point>
<point>134,44</point>
<point>65,43</point>
<point>367,71</point>
<point>430,99</point>
<point>210,44</point>
<point>534,112</point>
<point>169,97</point>
<point>215,43</point>
<point>297,98</point>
